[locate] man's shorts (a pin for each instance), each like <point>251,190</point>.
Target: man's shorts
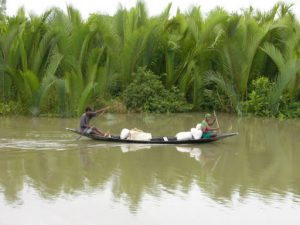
<point>86,130</point>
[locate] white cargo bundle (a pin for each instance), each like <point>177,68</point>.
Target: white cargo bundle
<point>124,134</point>
<point>199,126</point>
<point>140,135</point>
<point>197,134</point>
<point>135,134</point>
<point>184,136</point>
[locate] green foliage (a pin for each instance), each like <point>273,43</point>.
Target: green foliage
<point>10,108</point>
<point>258,102</point>
<point>288,108</point>
<point>57,62</point>
<point>147,93</point>
<point>226,87</point>
<point>213,100</point>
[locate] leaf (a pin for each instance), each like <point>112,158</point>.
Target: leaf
<point>32,80</point>
<point>275,55</point>
<point>85,96</point>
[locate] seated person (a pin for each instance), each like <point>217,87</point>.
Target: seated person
<point>206,124</point>
<point>85,119</point>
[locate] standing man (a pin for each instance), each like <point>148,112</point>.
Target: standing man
<point>85,119</point>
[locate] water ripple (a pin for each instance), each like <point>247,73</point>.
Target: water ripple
<point>35,144</point>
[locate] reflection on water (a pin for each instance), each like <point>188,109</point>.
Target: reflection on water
<point>195,152</point>
<point>133,147</point>
<point>43,164</point>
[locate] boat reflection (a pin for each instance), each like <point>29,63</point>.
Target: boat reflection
<point>134,147</point>
<point>207,158</point>
<point>195,152</point>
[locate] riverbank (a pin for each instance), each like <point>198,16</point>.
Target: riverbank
<point>244,62</point>
<point>118,107</point>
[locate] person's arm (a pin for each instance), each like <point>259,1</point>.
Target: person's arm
<point>209,128</point>
<point>212,122</point>
<point>212,129</point>
<point>91,114</point>
<point>101,110</point>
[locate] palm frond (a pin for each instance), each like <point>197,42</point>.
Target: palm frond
<point>61,96</point>
<point>275,55</point>
<point>46,44</point>
<point>224,86</point>
<point>84,98</point>
<point>46,83</point>
<point>74,87</point>
<point>287,74</point>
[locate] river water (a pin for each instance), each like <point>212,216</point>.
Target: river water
<point>50,177</point>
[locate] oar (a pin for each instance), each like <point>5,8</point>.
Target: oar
<point>217,121</point>
<point>81,134</point>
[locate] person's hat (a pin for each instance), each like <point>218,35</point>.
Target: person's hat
<point>207,115</point>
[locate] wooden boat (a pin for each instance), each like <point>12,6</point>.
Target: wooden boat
<point>154,140</point>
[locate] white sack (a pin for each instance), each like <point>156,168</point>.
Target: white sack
<point>198,126</point>
<point>124,133</point>
<point>184,136</point>
<point>139,135</point>
<point>196,133</point>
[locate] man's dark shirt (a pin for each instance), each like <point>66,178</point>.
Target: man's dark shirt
<point>85,119</point>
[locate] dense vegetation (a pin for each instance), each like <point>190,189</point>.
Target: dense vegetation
<point>147,93</point>
<point>57,63</point>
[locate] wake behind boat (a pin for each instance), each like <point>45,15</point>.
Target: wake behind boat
<point>154,140</point>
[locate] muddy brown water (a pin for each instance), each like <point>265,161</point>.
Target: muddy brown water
<point>47,176</point>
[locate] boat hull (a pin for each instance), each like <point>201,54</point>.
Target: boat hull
<point>155,140</point>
